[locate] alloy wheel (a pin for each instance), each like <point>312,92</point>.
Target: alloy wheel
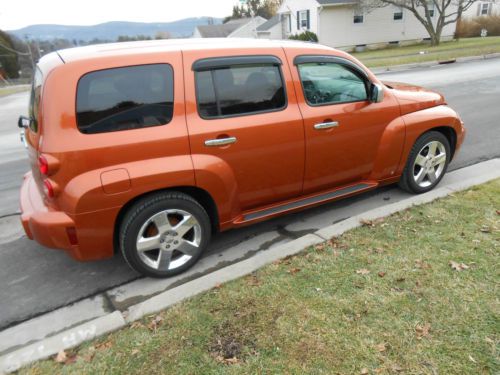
<point>429,164</point>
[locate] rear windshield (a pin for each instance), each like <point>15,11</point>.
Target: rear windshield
<point>125,98</point>
<point>34,107</point>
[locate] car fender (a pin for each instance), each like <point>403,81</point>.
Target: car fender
<point>420,122</point>
<point>390,149</point>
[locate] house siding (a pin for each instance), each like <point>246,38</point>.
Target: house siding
<point>338,30</point>
<point>293,6</point>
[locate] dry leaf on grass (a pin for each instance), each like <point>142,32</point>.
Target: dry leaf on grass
<point>253,280</point>
<point>363,271</point>
<point>381,347</point>
<point>422,264</point>
<point>485,229</point>
<point>371,223</point>
<point>364,371</point>
<point>381,274</point>
<point>422,330</point>
<point>61,357</point>
<point>293,271</point>
<point>455,266</point>
<point>104,345</point>
<point>155,323</point>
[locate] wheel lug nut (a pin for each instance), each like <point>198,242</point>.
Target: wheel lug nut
<point>176,242</point>
<point>168,246</point>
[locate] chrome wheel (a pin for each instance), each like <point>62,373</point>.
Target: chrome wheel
<point>168,240</point>
<point>429,164</point>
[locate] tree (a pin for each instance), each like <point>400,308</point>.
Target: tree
<point>8,56</point>
<point>253,8</point>
<point>445,12</point>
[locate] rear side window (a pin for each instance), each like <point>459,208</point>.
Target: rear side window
<point>125,98</point>
<point>36,93</point>
<point>239,90</point>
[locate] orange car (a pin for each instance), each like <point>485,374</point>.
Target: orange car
<point>148,148</point>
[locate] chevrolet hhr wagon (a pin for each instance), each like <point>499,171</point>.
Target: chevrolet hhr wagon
<point>149,148</point>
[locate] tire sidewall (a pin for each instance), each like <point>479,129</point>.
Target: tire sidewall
<point>140,213</point>
<point>419,144</point>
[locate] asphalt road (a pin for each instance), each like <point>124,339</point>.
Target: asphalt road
<point>36,280</point>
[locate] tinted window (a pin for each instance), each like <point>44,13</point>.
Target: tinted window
<point>239,90</point>
<point>330,83</point>
<point>125,98</point>
<point>36,92</point>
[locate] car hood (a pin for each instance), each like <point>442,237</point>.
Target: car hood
<point>413,98</point>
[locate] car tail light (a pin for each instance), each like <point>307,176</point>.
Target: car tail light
<point>48,188</point>
<point>43,165</point>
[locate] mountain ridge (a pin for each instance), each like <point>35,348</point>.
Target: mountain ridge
<point>112,30</point>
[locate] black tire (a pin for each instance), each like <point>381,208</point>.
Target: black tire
<point>144,209</point>
<point>407,181</point>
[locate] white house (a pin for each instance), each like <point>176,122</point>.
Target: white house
<point>483,8</point>
<point>271,29</point>
<point>240,28</point>
<point>343,24</point>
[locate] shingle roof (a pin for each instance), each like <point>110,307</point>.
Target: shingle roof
<point>269,23</point>
<point>222,31</point>
<point>336,2</point>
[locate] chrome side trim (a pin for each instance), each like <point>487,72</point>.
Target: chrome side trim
<point>306,201</point>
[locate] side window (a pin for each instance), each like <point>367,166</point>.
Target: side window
<point>34,106</point>
<point>239,90</point>
<point>331,83</point>
<point>125,98</point>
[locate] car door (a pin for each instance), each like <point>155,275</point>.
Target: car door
<point>244,124</point>
<point>343,128</point>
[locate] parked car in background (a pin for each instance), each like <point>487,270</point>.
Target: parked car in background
<point>149,148</point>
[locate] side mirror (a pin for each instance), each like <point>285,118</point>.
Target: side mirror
<point>376,93</point>
<point>23,122</point>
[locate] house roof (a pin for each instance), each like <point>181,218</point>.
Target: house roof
<point>269,23</point>
<point>336,2</point>
<point>223,30</point>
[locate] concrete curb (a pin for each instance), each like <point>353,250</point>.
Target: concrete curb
<point>64,340</point>
<point>12,361</point>
<point>403,67</point>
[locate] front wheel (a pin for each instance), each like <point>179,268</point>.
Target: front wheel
<point>164,234</point>
<point>427,163</point>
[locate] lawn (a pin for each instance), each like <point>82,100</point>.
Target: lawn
<point>445,51</point>
<point>8,90</point>
<point>416,293</point>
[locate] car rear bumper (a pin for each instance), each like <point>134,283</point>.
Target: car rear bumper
<point>41,223</point>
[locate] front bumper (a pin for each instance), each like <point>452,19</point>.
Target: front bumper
<point>40,222</point>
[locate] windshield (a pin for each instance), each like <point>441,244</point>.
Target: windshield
<point>36,91</point>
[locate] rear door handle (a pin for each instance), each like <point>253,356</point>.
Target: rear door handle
<point>326,125</point>
<point>220,141</point>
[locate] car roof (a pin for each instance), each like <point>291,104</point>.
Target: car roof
<point>191,44</point>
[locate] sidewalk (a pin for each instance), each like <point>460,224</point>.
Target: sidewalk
<point>48,334</point>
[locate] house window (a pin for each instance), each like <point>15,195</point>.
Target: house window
<point>398,14</point>
<point>304,19</point>
<point>485,9</point>
<point>358,18</point>
<point>430,10</point>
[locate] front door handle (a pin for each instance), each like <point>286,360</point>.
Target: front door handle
<point>326,125</point>
<point>220,142</point>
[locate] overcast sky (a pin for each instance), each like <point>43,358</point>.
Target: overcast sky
<point>17,14</point>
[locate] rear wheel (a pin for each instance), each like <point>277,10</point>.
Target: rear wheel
<point>427,163</point>
<point>164,234</point>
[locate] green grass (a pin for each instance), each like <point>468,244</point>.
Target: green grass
<point>8,90</point>
<point>445,51</point>
<point>380,299</point>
